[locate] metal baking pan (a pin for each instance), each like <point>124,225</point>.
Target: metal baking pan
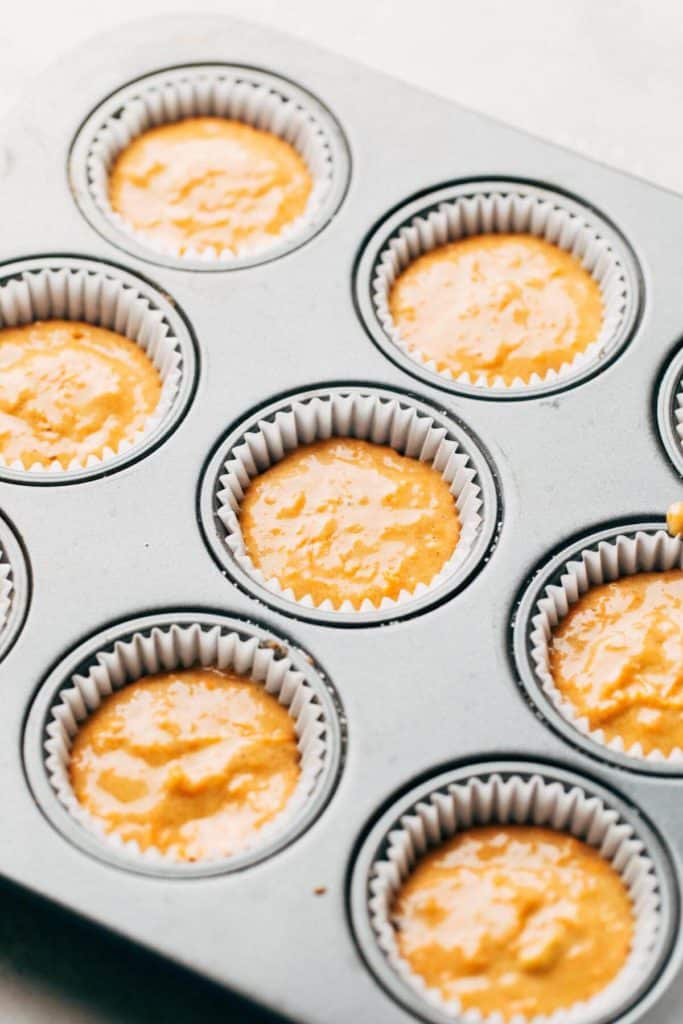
<point>429,692</point>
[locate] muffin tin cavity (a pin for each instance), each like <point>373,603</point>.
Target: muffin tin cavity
<point>67,288</point>
<point>513,792</point>
<point>258,98</point>
<point>670,410</point>
<point>598,558</point>
<point>14,587</point>
<point>468,209</point>
<point>413,428</point>
<point>128,651</point>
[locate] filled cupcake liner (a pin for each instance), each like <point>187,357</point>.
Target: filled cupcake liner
<point>625,555</point>
<point>175,648</point>
<point>212,92</point>
<point>502,212</point>
<point>532,800</point>
<point>366,417</point>
<point>101,299</point>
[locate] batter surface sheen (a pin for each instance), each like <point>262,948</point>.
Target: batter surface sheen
<point>192,763</point>
<point>514,919</point>
<point>209,183</point>
<point>498,305</point>
<point>617,657</point>
<point>345,519</point>
<point>69,389</point>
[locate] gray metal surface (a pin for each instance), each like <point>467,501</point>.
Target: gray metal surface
<point>421,694</point>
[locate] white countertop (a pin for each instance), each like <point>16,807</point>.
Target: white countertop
<point>604,78</point>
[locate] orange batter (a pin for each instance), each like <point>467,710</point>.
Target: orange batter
<point>514,919</point>
<point>209,183</point>
<point>617,657</point>
<point>69,389</point>
<point>674,518</point>
<point>192,763</point>
<point>499,305</point>
<point>347,520</point>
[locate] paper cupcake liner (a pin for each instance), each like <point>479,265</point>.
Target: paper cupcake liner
<point>213,92</point>
<point>515,211</point>
<point>368,417</point>
<point>6,588</point>
<point>517,799</point>
<point>625,555</point>
<point>179,647</point>
<point>101,299</point>
<point>14,586</point>
<point>669,409</point>
<point>678,411</point>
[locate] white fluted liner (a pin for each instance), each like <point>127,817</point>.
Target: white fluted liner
<point>519,800</point>
<point>212,92</point>
<point>678,411</point>
<point>178,647</point>
<point>501,212</point>
<point>6,588</point>
<point>623,556</point>
<point>101,299</point>
<point>367,417</point>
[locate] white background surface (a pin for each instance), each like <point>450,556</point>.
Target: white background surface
<point>604,77</point>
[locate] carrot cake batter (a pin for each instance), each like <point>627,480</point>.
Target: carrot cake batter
<point>497,305</point>
<point>346,519</point>
<point>515,919</point>
<point>69,389</point>
<point>617,657</point>
<point>209,183</point>
<point>192,763</point>
<point>674,518</point>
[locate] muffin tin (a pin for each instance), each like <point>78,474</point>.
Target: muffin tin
<point>416,701</point>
